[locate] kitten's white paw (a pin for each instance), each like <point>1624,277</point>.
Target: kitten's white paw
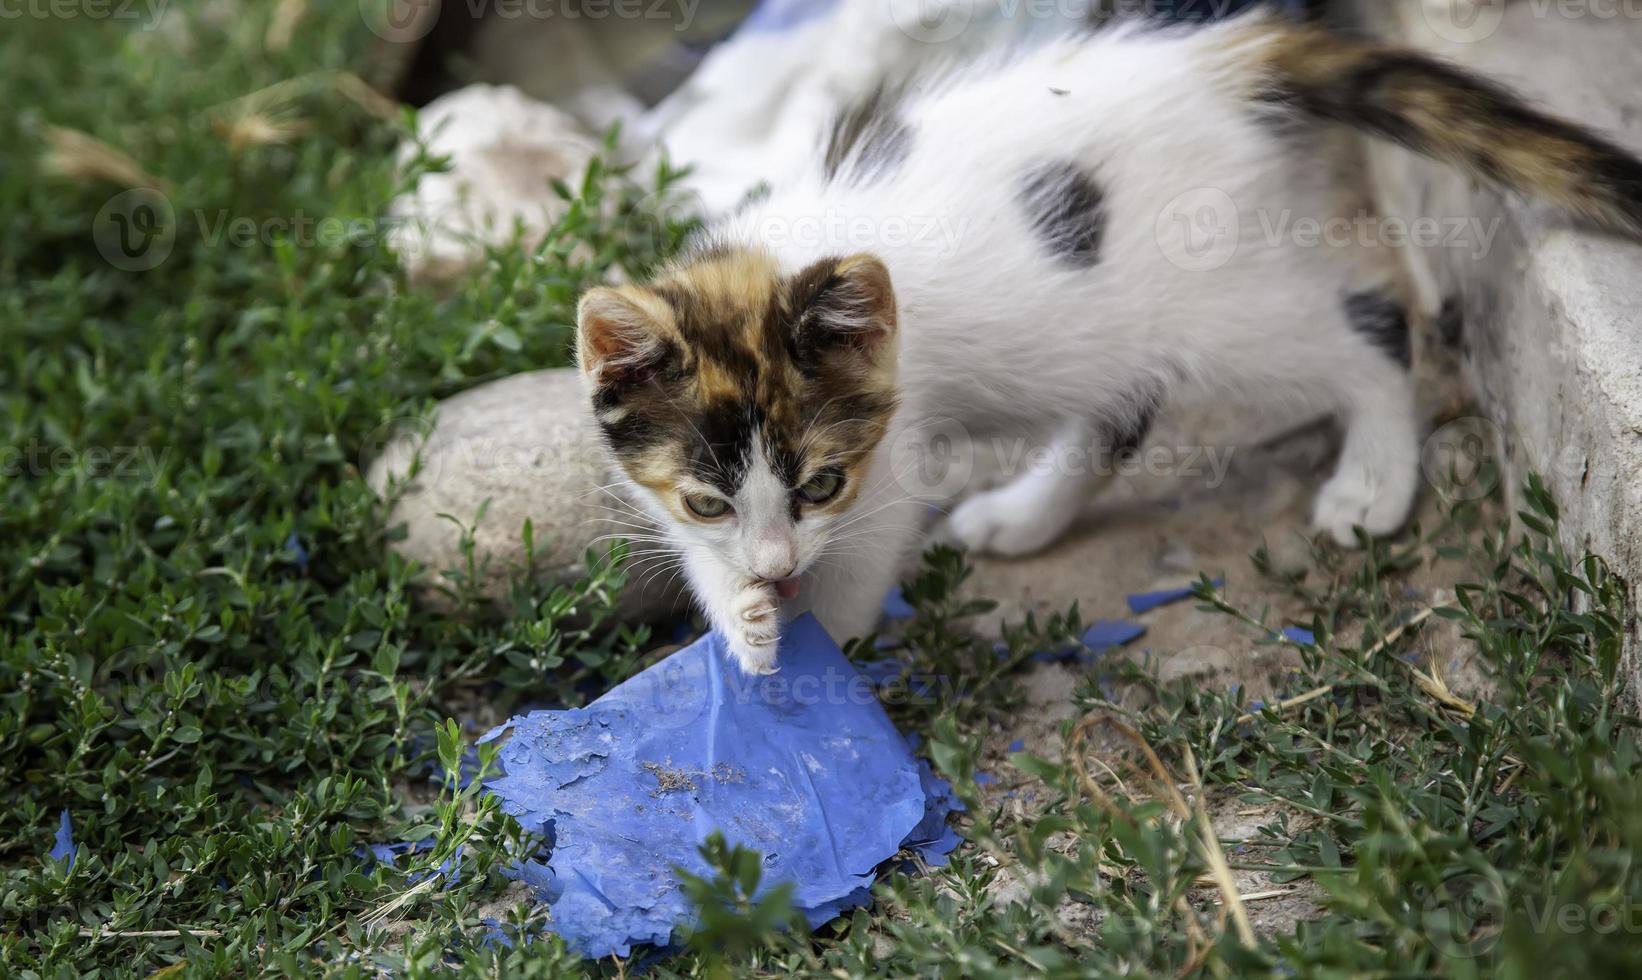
<point>997,523</point>
<point>754,630</point>
<point>1352,500</point>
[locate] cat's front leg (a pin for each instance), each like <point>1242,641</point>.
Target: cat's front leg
<point>744,610</point>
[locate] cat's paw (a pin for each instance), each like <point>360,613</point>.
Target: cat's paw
<point>996,523</point>
<point>1352,500</point>
<point>754,630</point>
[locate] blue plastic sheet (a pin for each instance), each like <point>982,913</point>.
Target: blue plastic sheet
<point>1296,634</point>
<point>803,766</point>
<point>62,845</point>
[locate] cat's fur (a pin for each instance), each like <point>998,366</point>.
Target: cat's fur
<point>999,248</point>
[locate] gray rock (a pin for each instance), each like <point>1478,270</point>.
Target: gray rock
<point>527,445</point>
<point>1550,313</point>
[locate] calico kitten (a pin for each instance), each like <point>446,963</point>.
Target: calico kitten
<point>993,249</point>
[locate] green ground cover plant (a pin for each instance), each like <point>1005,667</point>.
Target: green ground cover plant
<point>208,660</point>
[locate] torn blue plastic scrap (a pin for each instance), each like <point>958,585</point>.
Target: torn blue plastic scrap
<point>1147,601</point>
<point>896,607</point>
<point>1299,635</point>
<point>62,842</point>
<point>1109,634</point>
<point>803,766</point>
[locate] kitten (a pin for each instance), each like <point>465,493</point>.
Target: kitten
<point>995,249</point>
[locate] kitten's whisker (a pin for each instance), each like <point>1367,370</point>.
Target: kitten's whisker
<point>653,542</point>
<point>804,440</point>
<point>672,570</point>
<point>862,533</point>
<point>625,508</point>
<point>650,570</point>
<point>855,519</point>
<point>644,528</point>
<point>609,491</point>
<point>625,520</point>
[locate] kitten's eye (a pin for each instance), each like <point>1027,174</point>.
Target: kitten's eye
<point>706,507</point>
<point>822,487</point>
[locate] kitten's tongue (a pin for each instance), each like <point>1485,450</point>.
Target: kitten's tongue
<point>787,588</point>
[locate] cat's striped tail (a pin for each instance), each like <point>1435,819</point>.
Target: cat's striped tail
<point>1445,113</point>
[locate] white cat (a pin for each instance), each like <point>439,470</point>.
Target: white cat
<point>1055,243</point>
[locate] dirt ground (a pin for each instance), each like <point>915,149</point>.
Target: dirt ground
<point>1137,545</point>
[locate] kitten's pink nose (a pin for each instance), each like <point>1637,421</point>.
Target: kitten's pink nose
<point>773,556</point>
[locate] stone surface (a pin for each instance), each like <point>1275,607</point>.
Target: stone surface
<point>527,445</point>
<point>1552,315</point>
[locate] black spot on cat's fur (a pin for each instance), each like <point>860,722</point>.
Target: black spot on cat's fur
<point>1128,433</point>
<point>1067,209</point>
<point>868,140</point>
<point>1451,323</point>
<point>1126,438</point>
<point>1383,321</point>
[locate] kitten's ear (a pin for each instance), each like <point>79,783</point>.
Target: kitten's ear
<point>846,304</point>
<point>621,336</point>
